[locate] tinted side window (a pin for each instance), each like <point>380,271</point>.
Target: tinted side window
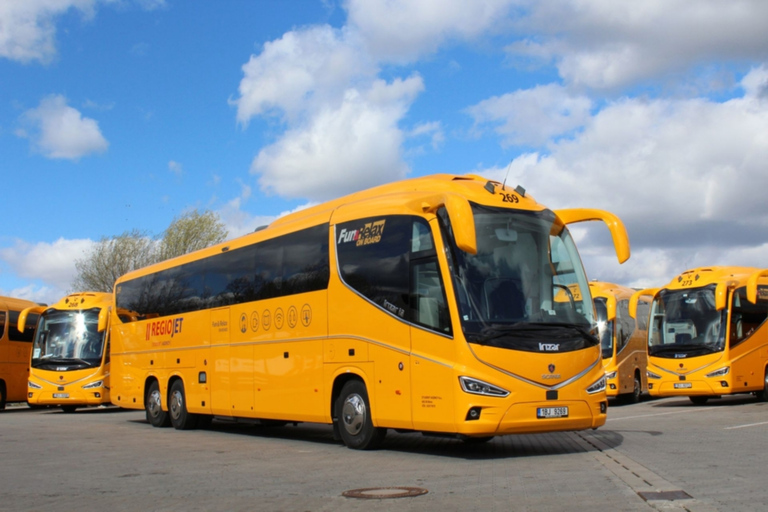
<point>392,262</point>
<point>286,265</point>
<point>643,312</point>
<point>374,260</point>
<point>29,327</point>
<point>746,317</point>
<point>625,324</point>
<point>2,324</point>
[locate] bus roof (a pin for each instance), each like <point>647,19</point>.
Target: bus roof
<point>83,300</point>
<point>702,276</point>
<point>605,289</point>
<point>409,194</point>
<point>19,304</point>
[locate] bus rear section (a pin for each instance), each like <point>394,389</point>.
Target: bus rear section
<point>707,335</point>
<point>426,305</point>
<point>70,362</point>
<point>15,347</point>
<point>622,340</point>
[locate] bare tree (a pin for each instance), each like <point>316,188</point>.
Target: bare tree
<point>112,257</point>
<point>189,232</point>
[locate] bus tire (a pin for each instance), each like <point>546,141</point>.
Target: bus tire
<point>68,409</point>
<point>153,405</point>
<point>181,419</point>
<point>763,395</point>
<point>353,411</point>
<point>3,396</point>
<point>476,440</point>
<point>637,390</point>
<point>699,400</point>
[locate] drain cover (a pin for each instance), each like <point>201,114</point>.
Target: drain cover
<point>665,495</point>
<point>382,493</point>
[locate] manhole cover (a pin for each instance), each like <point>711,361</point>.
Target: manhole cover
<point>665,495</point>
<point>381,493</point>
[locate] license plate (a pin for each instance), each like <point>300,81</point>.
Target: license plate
<point>683,385</point>
<point>61,395</point>
<point>552,412</point>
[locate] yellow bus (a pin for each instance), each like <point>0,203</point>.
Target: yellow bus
<point>422,305</point>
<point>707,335</point>
<point>15,346</point>
<point>622,340</point>
<point>69,366</point>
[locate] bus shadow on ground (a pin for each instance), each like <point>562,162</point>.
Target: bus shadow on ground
<point>500,447</point>
<point>725,401</point>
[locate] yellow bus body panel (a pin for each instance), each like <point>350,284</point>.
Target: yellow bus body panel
<point>14,355</point>
<point>285,358</point>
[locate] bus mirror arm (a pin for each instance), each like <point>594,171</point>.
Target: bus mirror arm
<point>650,292</point>
<point>752,285</point>
<point>615,226</point>
<point>103,317</point>
<point>25,313</point>
<point>460,214</point>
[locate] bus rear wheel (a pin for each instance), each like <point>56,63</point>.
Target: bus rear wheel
<point>3,397</point>
<point>353,412</point>
<point>181,419</point>
<point>153,405</point>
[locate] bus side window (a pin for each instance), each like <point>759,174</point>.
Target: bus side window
<point>625,325</point>
<point>29,328</point>
<point>429,307</point>
<point>2,324</point>
<point>643,310</point>
<point>746,317</point>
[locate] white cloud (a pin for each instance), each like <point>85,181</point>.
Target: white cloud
<point>533,116</point>
<point>52,263</point>
<point>301,71</point>
<point>342,149</point>
<point>403,30</point>
<point>686,176</point>
<point>176,168</point>
<point>611,43</point>
<point>60,131</point>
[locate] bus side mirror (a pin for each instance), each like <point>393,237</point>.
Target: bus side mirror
<point>752,285</point>
<point>650,292</point>
<point>615,226</point>
<point>460,214</point>
<point>610,306</point>
<point>103,318</point>
<point>22,323</point>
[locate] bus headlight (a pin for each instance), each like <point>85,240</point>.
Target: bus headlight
<point>478,387</point>
<point>597,386</point>
<point>92,385</point>
<point>652,375</point>
<point>34,386</point>
<point>609,376</point>
<point>720,372</point>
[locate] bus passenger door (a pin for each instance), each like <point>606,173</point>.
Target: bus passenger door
<point>432,350</point>
<point>220,380</point>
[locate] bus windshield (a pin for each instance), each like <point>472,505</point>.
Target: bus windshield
<point>68,340</point>
<point>604,327</point>
<point>525,285</point>
<point>686,323</point>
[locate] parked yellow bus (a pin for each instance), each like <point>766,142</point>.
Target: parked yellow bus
<point>15,346</point>
<point>622,340</point>
<point>424,305</point>
<point>707,335</point>
<point>69,365</point>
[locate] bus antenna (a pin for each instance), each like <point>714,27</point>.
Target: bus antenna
<point>506,175</point>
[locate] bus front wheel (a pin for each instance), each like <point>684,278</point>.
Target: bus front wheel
<point>181,419</point>
<point>763,395</point>
<point>353,412</point>
<point>156,416</point>
<point>699,400</point>
<point>2,396</point>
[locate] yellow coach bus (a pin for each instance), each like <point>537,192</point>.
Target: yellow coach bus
<point>622,340</point>
<point>69,367</point>
<point>707,335</point>
<point>424,305</point>
<point>15,346</point>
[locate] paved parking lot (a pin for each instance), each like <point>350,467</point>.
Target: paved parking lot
<point>647,457</point>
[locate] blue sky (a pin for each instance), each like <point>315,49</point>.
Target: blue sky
<point>122,114</point>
